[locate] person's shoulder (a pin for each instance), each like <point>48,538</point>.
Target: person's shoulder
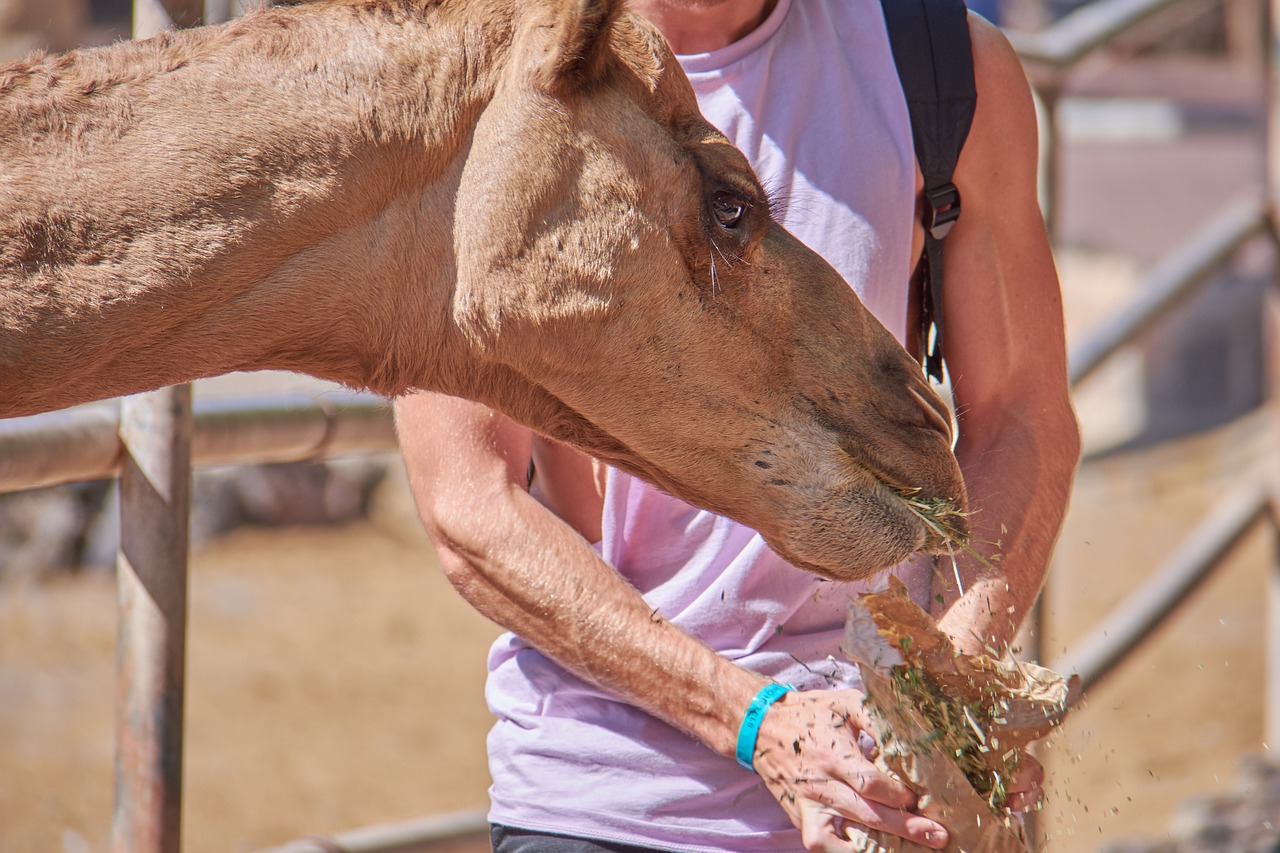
<point>997,71</point>
<point>1003,145</point>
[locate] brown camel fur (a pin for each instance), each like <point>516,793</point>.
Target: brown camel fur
<point>515,202</point>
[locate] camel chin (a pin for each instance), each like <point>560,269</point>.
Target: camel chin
<point>860,528</point>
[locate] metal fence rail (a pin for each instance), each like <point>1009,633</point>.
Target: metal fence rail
<point>1175,279</point>
<point>1086,29</point>
<point>435,834</point>
<point>84,444</point>
<point>1144,610</point>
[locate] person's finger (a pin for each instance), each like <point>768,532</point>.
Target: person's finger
<point>870,749</point>
<point>1024,801</point>
<point>818,828</point>
<point>868,780</point>
<point>1025,789</point>
<point>1028,778</point>
<point>873,784</point>
<point>876,815</point>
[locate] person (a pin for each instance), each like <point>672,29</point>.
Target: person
<point>642,628</point>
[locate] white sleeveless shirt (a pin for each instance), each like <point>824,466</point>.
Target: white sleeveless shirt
<point>813,100</point>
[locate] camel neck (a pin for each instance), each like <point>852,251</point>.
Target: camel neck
<point>235,197</point>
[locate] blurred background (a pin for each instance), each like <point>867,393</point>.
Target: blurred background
<point>334,679</point>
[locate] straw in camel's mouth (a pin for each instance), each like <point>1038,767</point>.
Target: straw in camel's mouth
<point>946,527</point>
<point>943,522</point>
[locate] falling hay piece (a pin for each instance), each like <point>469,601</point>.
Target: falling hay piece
<point>949,725</point>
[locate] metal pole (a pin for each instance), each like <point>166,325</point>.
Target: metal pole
<point>1032,633</point>
<point>1131,622</point>
<point>217,11</point>
<point>1271,734</point>
<point>150,18</point>
<point>244,7</point>
<point>1271,679</point>
<point>1051,163</point>
<point>84,444</point>
<point>151,585</point>
<point>1088,28</point>
<point>445,833</point>
<point>1246,41</point>
<point>1271,179</point>
<point>1177,277</point>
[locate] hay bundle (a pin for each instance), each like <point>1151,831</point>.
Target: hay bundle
<point>951,726</point>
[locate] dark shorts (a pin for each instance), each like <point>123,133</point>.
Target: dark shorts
<point>506,839</point>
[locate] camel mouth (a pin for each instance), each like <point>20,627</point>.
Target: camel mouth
<point>938,525</point>
<point>945,524</point>
<point>865,526</point>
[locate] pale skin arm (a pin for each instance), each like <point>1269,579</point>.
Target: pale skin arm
<point>1018,439</point>
<point>524,568</point>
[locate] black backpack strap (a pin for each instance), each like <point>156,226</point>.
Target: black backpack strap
<point>930,41</point>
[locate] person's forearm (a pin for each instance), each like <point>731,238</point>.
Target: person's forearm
<point>1019,478</point>
<point>550,587</point>
<point>523,567</point>
<point>536,577</point>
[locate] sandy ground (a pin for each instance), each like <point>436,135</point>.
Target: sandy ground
<point>335,680</point>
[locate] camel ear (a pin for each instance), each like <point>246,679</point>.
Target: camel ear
<point>579,42</point>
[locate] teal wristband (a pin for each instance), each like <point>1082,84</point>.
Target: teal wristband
<point>749,732</point>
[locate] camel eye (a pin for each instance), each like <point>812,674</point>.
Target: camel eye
<point>728,208</point>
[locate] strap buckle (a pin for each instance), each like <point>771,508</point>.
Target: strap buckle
<point>943,209</point>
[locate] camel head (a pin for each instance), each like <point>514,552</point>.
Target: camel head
<point>515,201</point>
<point>624,288</point>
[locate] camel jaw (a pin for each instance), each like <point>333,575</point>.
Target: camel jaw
<point>884,523</point>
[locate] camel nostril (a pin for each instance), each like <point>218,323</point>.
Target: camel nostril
<point>936,413</point>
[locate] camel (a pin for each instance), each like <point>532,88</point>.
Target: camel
<point>513,201</point>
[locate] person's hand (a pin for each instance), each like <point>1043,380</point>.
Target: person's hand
<point>1024,789</point>
<point>809,756</point>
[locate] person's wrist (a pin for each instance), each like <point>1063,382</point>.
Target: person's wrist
<point>749,729</point>
<point>979,622</point>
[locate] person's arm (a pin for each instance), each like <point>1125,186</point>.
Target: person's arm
<point>1005,349</point>
<point>524,568</point>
